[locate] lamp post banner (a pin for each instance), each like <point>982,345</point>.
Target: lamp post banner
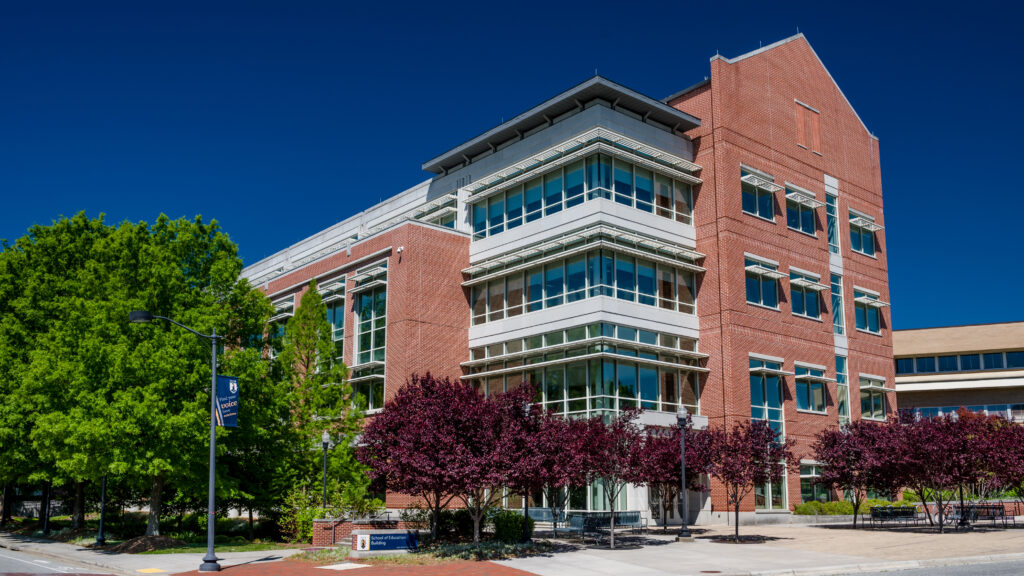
<point>227,401</point>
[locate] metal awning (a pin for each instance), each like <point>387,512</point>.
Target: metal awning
<point>761,182</point>
<point>358,379</point>
<point>417,213</point>
<point>762,270</point>
<point>592,141</point>
<point>367,365</point>
<point>590,356</point>
<point>664,350</point>
<point>591,235</point>
<point>766,370</point>
<point>368,273</point>
<point>876,385</point>
<point>808,283</point>
<point>368,286</point>
<point>870,301</point>
<point>803,198</point>
<point>866,223</point>
<point>812,378</point>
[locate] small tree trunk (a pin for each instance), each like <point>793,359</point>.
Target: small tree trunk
<point>666,505</point>
<point>155,501</point>
<point>736,521</point>
<point>856,508</point>
<point>252,531</point>
<point>611,523</point>
<point>962,521</point>
<point>938,503</point>
<point>78,510</point>
<point>476,525</point>
<point>5,516</point>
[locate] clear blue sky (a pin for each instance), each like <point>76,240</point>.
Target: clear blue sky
<point>281,118</point>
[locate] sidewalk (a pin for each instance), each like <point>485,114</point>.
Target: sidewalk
<point>790,550</point>
<point>794,550</point>
<point>133,564</point>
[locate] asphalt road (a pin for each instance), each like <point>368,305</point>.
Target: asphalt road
<point>16,562</point>
<point>1015,568</point>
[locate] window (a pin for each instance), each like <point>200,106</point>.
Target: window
<point>831,207</point>
<point>766,393</point>
<point>803,292</point>
<point>1015,359</point>
<point>842,391</point>
<point>925,364</point>
<point>866,309</point>
<point>970,362</point>
<point>809,490</point>
<point>948,364</point>
<point>800,211</point>
<point>810,389</point>
<point>872,399</point>
<point>762,282</point>
<point>336,318</point>
<point>838,320</point>
<point>597,176</point>
<point>862,233</point>
<point>596,273</point>
<point>758,195</point>
<point>772,495</point>
<point>993,360</point>
<point>904,365</point>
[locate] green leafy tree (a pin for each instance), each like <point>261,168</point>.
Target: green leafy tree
<point>320,399</point>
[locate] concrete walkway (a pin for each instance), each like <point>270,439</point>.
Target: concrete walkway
<point>133,564</point>
<point>799,550</point>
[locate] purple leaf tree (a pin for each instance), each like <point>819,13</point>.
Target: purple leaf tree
<point>615,452</point>
<point>748,455</point>
<point>661,467</point>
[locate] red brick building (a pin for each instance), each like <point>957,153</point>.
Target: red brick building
<point>721,249</point>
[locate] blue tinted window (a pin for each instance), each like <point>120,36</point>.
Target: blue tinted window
<point>970,362</point>
<point>807,220</point>
<point>496,214</point>
<point>749,199</point>
<point>623,183</point>
<point>625,277</point>
<point>514,207</point>
<point>765,208</point>
<point>554,283</point>
<point>993,360</point>
<point>1015,359</point>
<point>576,278</point>
<point>769,292</point>
<point>926,364</point>
<point>574,184</point>
<point>533,199</point>
<point>753,288</point>
<point>644,190</point>
<point>904,365</point>
<point>480,220</point>
<point>855,243</point>
<point>535,289</point>
<point>646,284</point>
<point>947,364</point>
<point>553,192</point>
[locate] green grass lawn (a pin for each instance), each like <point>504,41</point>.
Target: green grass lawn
<point>198,548</point>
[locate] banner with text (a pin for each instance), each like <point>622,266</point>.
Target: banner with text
<point>227,401</point>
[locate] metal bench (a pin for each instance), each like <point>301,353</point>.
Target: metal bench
<point>880,515</point>
<point>544,515</point>
<point>585,523</point>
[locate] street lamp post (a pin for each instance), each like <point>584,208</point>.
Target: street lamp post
<point>684,530</point>
<point>526,493</point>
<point>326,440</point>
<point>143,317</point>
<point>100,540</point>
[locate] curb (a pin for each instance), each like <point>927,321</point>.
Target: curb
<point>894,565</point>
<point>64,558</point>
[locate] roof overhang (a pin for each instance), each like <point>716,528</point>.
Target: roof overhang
<point>577,97</point>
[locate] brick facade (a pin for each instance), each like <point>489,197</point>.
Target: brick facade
<point>750,117</point>
<point>776,110</point>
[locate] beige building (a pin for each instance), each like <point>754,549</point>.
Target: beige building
<point>980,367</point>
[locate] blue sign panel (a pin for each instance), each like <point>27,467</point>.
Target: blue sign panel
<point>227,401</point>
<point>388,541</point>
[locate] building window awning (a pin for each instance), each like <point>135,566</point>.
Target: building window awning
<point>865,222</point>
<point>761,182</point>
<point>601,340</point>
<point>365,378</point>
<point>595,140</point>
<point>588,238</point>
<point>812,378</point>
<point>765,272</point>
<point>428,211</point>
<point>808,284</point>
<point>283,309</point>
<point>583,357</point>
<point>875,385</point>
<point>870,301</point>
<point>767,370</point>
<point>803,198</point>
<point>366,274</point>
<point>368,286</point>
